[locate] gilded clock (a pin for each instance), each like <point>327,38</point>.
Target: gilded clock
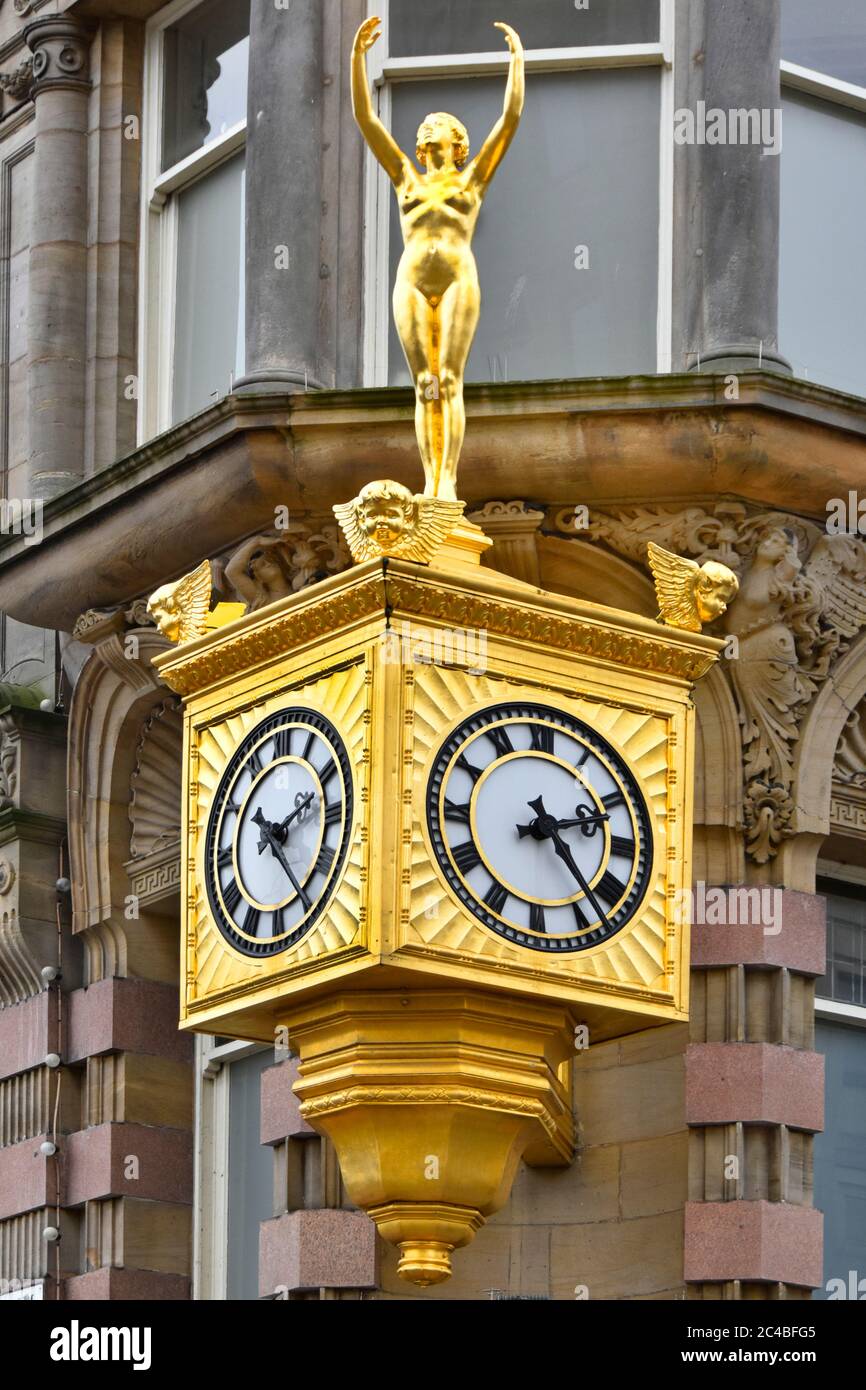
<point>539,826</point>
<point>278,831</point>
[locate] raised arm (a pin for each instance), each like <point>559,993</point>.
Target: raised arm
<point>492,152</point>
<point>384,147</point>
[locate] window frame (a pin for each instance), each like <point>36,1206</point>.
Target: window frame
<point>847,876</point>
<point>384,71</point>
<point>159,227</point>
<point>210,1225</point>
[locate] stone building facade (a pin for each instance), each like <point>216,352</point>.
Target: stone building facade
<point>195,260</point>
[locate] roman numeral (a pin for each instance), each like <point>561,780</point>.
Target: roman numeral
<point>542,738</point>
<point>327,774</point>
<point>612,799</point>
<point>283,743</point>
<point>498,736</point>
<point>466,856</point>
<point>277,927</point>
<point>224,857</point>
<point>463,762</point>
<point>255,762</point>
<point>622,844</point>
<point>579,919</point>
<point>495,897</point>
<point>454,812</point>
<point>308,746</point>
<point>231,896</point>
<point>325,860</point>
<point>333,813</point>
<point>610,887</point>
<point>232,806</point>
<point>583,757</point>
<point>251,921</point>
<point>536,917</point>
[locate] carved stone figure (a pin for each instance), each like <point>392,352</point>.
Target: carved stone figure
<point>259,572</point>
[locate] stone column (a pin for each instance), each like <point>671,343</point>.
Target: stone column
<point>754,1095</point>
<point>283,196</point>
<point>57,334</point>
<point>727,194</point>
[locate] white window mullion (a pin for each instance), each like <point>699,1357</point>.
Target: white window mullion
<point>664,357</point>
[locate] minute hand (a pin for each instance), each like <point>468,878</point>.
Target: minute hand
<point>277,851</point>
<point>565,854</point>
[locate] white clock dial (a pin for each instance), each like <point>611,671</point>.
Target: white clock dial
<point>539,826</point>
<point>278,831</point>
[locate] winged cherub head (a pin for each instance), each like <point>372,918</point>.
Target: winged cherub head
<point>386,510</point>
<point>164,611</point>
<point>715,587</point>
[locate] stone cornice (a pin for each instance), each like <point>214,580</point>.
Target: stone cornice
<point>197,488</point>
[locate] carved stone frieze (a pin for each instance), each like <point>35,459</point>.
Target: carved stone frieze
<point>801,603</point>
<point>17,85</point>
<point>154,807</point>
<point>271,566</point>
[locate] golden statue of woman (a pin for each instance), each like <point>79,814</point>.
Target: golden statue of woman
<point>436,294</point>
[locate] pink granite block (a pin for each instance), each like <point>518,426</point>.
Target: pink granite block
<point>27,1179</point>
<point>126,1285</point>
<point>117,1160</point>
<point>331,1249</point>
<point>126,1015</point>
<point>762,1241</point>
<point>281,1109</point>
<point>758,1083</point>
<point>28,1031</point>
<point>785,929</point>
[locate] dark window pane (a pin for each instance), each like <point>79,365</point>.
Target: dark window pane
<point>250,1176</point>
<point>822,289</point>
<point>845,980</point>
<point>830,37</point>
<point>582,172</point>
<point>466,26</point>
<point>206,55</point>
<point>840,1158</point>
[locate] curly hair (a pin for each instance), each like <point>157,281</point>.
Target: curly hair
<point>459,134</point>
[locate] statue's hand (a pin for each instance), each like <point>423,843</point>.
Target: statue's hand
<point>511,38</point>
<point>367,35</point>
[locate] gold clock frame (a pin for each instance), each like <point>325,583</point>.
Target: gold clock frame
<point>424,1033</point>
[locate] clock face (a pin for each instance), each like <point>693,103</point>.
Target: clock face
<point>278,831</point>
<point>539,827</point>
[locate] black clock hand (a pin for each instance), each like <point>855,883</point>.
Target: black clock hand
<point>532,828</point>
<point>547,829</point>
<point>277,852</point>
<point>302,806</point>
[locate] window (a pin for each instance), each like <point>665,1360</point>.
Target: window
<point>591,167</point>
<point>822,291</point>
<point>192,319</point>
<point>845,978</point>
<point>234,1182</point>
<point>840,1035</point>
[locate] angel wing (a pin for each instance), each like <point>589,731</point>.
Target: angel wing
<point>192,596</point>
<point>360,546</point>
<point>436,520</point>
<point>674,578</point>
<point>835,576</point>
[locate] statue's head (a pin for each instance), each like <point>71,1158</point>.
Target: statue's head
<point>264,566</point>
<point>385,510</point>
<point>446,135</point>
<point>777,544</point>
<point>164,611</point>
<point>715,587</point>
